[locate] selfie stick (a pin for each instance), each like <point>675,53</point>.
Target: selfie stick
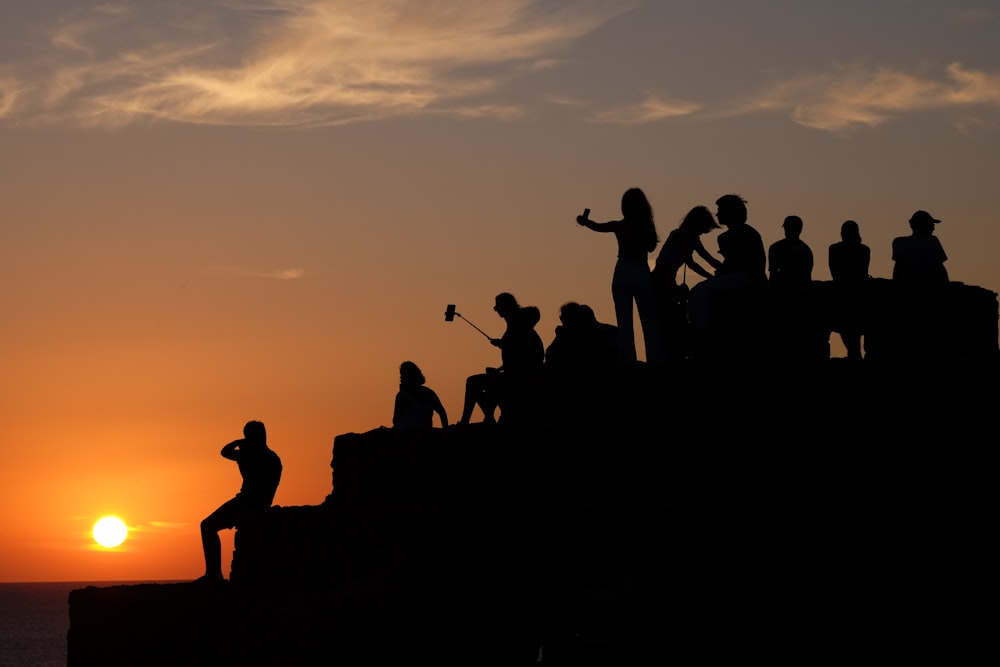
<point>450,315</point>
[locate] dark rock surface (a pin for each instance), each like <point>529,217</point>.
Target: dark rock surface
<point>795,511</point>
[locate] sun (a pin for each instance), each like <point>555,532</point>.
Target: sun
<point>110,531</point>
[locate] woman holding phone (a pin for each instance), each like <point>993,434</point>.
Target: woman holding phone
<point>636,236</point>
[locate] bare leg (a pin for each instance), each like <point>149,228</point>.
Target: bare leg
<point>222,518</point>
<point>212,546</point>
<point>474,387</point>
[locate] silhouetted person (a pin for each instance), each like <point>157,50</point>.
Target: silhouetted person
<point>636,236</point>
<point>850,258</point>
<point>415,403</point>
<point>790,260</point>
<point>580,341</point>
<point>919,258</point>
<point>849,261</point>
<point>743,259</point>
<point>681,245</point>
<point>607,335</point>
<point>740,245</point>
<point>677,251</point>
<point>521,351</point>
<point>260,468</point>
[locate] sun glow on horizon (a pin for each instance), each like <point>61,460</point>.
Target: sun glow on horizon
<point>110,532</point>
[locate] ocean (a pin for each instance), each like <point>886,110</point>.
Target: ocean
<point>34,620</point>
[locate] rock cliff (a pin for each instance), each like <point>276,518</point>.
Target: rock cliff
<point>796,510</point>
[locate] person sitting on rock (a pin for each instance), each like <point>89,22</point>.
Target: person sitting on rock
<point>260,468</point>
<point>743,261</point>
<point>521,351</point>
<point>581,341</point>
<point>416,403</point>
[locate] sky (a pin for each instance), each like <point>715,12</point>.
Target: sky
<point>218,211</point>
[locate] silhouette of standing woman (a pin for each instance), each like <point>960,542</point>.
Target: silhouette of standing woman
<point>636,235</point>
<point>849,260</point>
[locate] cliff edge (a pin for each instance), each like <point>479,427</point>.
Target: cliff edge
<point>798,510</point>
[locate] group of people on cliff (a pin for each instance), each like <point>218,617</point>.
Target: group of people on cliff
<point>664,302</point>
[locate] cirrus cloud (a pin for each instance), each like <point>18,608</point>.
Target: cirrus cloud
<point>289,62</point>
<point>850,97</point>
<point>650,109</point>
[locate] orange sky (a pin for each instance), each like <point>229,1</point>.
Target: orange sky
<point>216,212</point>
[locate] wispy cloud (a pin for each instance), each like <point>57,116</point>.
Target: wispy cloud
<point>649,110</point>
<point>161,525</point>
<point>854,96</point>
<point>290,62</point>
<point>273,274</point>
<point>284,274</point>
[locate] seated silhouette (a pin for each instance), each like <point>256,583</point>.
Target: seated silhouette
<point>790,260</point>
<point>521,351</point>
<point>919,258</point>
<point>581,341</point>
<point>260,468</point>
<point>416,403</point>
<point>743,260</point>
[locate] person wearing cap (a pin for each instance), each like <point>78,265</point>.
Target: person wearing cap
<point>790,260</point>
<point>919,258</point>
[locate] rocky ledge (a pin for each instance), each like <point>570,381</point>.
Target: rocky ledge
<point>799,511</point>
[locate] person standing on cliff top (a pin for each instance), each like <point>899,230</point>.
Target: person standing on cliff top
<point>260,468</point>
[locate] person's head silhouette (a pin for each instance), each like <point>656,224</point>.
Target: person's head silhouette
<point>254,433</point>
<point>530,316</point>
<point>635,206</point>
<point>732,210</point>
<point>506,305</point>
<point>570,314</point>
<point>922,223</point>
<point>698,221</point>
<point>792,226</point>
<point>850,232</point>
<point>410,374</point>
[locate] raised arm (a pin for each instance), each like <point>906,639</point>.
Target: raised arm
<point>585,221</point>
<point>232,450</point>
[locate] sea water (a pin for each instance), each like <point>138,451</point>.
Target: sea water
<point>34,621</point>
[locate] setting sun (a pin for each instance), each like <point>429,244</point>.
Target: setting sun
<point>110,531</point>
